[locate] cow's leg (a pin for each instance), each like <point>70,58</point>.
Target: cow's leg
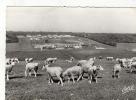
<point>60,80</point>
<point>96,79</point>
<point>118,75</point>
<point>26,73</point>
<point>114,74</point>
<point>82,77</point>
<point>7,76</point>
<point>73,78</point>
<point>35,73</point>
<point>79,77</point>
<point>89,75</point>
<point>131,69</point>
<point>68,79</point>
<point>49,81</point>
<point>90,79</point>
<point>30,74</point>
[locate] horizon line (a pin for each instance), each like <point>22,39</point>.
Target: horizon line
<point>72,32</point>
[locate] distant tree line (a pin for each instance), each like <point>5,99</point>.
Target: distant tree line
<point>10,38</point>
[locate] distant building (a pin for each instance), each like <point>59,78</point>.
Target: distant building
<point>20,36</point>
<point>39,42</point>
<point>127,46</point>
<point>134,49</point>
<point>96,47</point>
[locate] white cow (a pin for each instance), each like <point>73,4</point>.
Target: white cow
<point>132,66</point>
<point>31,66</point>
<point>124,62</point>
<point>93,72</point>
<point>9,67</point>
<point>133,58</point>
<point>8,61</point>
<point>71,60</point>
<point>116,70</point>
<point>50,60</point>
<point>28,60</point>
<point>86,64</point>
<point>72,71</point>
<point>16,59</point>
<point>109,58</point>
<point>54,71</point>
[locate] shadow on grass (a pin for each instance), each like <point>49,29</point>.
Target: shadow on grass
<point>38,74</point>
<point>133,72</point>
<point>99,77</point>
<point>14,77</point>
<point>22,76</point>
<point>86,77</point>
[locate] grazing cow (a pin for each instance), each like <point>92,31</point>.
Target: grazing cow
<point>85,62</point>
<point>93,72</point>
<point>133,58</point>
<point>28,60</point>
<point>72,71</point>
<point>8,61</point>
<point>15,60</point>
<point>100,58</point>
<point>85,65</point>
<point>132,66</point>
<point>124,63</point>
<point>9,68</point>
<point>116,70</point>
<point>117,59</point>
<point>54,71</point>
<point>71,60</point>
<point>31,66</point>
<point>50,60</point>
<point>94,58</point>
<point>109,58</point>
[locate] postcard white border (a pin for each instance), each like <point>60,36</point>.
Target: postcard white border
<point>63,3</point>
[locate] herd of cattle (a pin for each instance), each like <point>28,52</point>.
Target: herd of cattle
<point>82,67</point>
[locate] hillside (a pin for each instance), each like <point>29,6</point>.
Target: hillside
<point>110,39</point>
<point>104,38</point>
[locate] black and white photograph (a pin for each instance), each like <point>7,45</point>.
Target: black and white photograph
<point>70,53</point>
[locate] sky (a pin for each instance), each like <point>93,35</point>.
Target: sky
<point>62,19</point>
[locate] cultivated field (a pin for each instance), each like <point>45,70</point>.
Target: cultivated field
<point>107,88</point>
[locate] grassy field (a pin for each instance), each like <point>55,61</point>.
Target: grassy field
<point>107,88</point>
<point>66,54</point>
